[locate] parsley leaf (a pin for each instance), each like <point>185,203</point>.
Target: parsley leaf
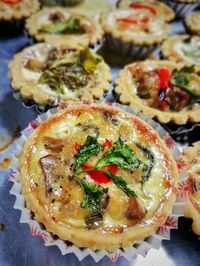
<point>121,183</point>
<point>121,155</point>
<point>90,148</point>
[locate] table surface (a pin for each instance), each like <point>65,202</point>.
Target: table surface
<point>17,245</point>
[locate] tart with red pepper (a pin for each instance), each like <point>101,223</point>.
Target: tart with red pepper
<point>182,7</point>
<point>192,23</point>
<point>182,48</point>
<point>192,207</point>
<point>163,90</point>
<point>46,75</point>
<point>98,176</point>
<point>17,9</point>
<point>155,8</point>
<point>64,28</point>
<point>133,32</point>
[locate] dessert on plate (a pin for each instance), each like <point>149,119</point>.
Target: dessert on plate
<point>46,75</point>
<point>155,8</point>
<point>17,9</point>
<point>64,28</point>
<point>163,89</point>
<point>98,176</point>
<point>192,207</point>
<point>133,32</point>
<point>192,23</point>
<point>182,48</point>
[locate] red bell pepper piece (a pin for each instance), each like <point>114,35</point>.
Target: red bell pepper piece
<point>143,20</point>
<point>163,75</point>
<point>97,175</point>
<point>142,6</point>
<point>11,2</point>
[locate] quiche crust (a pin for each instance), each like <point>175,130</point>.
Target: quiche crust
<point>192,207</point>
<point>108,236</point>
<point>129,96</point>
<point>74,41</point>
<point>161,9</point>
<point>19,11</point>
<point>192,22</point>
<point>180,47</point>
<point>26,81</point>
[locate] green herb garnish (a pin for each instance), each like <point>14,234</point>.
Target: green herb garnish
<point>182,77</point>
<point>72,26</point>
<point>121,155</point>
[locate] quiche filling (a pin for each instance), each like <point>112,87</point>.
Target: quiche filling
<point>167,90</point>
<point>69,74</point>
<point>98,169</point>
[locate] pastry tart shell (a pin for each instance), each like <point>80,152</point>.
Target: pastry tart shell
<point>29,89</point>
<point>96,238</point>
<point>192,23</point>
<point>192,207</point>
<point>71,41</point>
<point>123,89</point>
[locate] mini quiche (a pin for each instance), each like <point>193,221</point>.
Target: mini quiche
<point>155,8</point>
<point>182,48</point>
<point>192,207</point>
<point>43,74</point>
<point>182,7</point>
<point>192,23</point>
<point>161,89</point>
<point>98,176</point>
<point>17,9</point>
<point>64,28</point>
<point>133,32</point>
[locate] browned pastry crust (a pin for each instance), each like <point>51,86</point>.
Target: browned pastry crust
<point>192,22</point>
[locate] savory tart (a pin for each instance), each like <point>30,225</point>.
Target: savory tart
<point>192,207</point>
<point>155,8</point>
<point>163,90</point>
<point>182,7</point>
<point>46,75</point>
<point>98,176</point>
<point>182,48</point>
<point>192,22</point>
<point>64,28</point>
<point>133,32</point>
<point>17,9</point>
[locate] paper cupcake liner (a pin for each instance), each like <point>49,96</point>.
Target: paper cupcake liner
<point>181,9</point>
<point>129,50</point>
<point>66,247</point>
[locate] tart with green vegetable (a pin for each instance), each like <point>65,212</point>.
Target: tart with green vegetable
<point>17,9</point>
<point>192,23</point>
<point>182,48</point>
<point>192,207</point>
<point>133,32</point>
<point>98,176</point>
<point>46,75</point>
<point>182,7</point>
<point>155,8</point>
<point>164,90</point>
<point>64,28</point>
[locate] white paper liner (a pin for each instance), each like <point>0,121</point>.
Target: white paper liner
<point>181,9</point>
<point>142,248</point>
